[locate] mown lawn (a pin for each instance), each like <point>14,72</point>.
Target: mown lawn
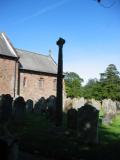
<point>37,135</point>
<point>110,133</point>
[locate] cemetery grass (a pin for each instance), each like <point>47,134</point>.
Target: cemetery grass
<point>36,134</point>
<point>110,133</point>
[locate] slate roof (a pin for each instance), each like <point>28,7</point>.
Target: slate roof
<point>36,62</point>
<point>28,60</point>
<point>6,47</point>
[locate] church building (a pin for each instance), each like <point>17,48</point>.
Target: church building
<point>24,73</point>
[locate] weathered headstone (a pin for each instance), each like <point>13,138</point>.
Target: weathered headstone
<point>72,119</point>
<point>8,148</point>
<point>5,107</point>
<point>29,105</point>
<point>43,104</point>
<point>51,107</point>
<point>88,123</point>
<point>109,106</point>
<point>3,149</point>
<point>118,105</point>
<point>107,119</point>
<point>8,144</point>
<point>81,102</point>
<point>110,109</point>
<point>73,103</point>
<point>40,106</point>
<point>36,107</point>
<point>67,104</point>
<point>19,108</point>
<point>96,104</point>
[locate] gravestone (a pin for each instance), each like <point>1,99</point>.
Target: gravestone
<point>110,109</point>
<point>67,104</point>
<point>3,149</point>
<point>43,104</point>
<point>118,105</point>
<point>105,106</point>
<point>88,123</point>
<point>8,144</point>
<point>72,119</point>
<point>51,107</point>
<point>5,107</point>
<point>36,107</point>
<point>40,106</point>
<point>96,104</point>
<point>29,105</point>
<point>107,119</point>
<point>81,102</point>
<point>8,148</point>
<point>19,108</point>
<point>109,106</point>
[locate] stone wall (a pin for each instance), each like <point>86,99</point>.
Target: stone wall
<point>30,87</point>
<point>7,76</point>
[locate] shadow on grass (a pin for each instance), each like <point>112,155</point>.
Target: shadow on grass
<point>37,135</point>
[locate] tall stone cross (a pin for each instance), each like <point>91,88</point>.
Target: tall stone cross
<point>59,110</point>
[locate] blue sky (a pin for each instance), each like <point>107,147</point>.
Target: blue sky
<point>91,31</point>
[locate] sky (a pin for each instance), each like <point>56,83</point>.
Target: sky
<point>91,31</point>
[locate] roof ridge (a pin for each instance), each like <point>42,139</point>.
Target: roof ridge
<point>52,59</point>
<point>32,52</point>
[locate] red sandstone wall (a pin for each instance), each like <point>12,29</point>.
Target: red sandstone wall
<point>32,90</point>
<point>7,76</point>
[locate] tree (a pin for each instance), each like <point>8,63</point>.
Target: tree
<point>92,89</point>
<point>110,82</point>
<point>107,87</point>
<point>111,73</point>
<point>73,84</point>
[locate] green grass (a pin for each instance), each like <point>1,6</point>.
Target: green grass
<point>36,134</point>
<point>101,112</point>
<point>110,133</point>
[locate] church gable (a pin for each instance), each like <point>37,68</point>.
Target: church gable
<point>6,48</point>
<point>28,60</point>
<point>26,73</point>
